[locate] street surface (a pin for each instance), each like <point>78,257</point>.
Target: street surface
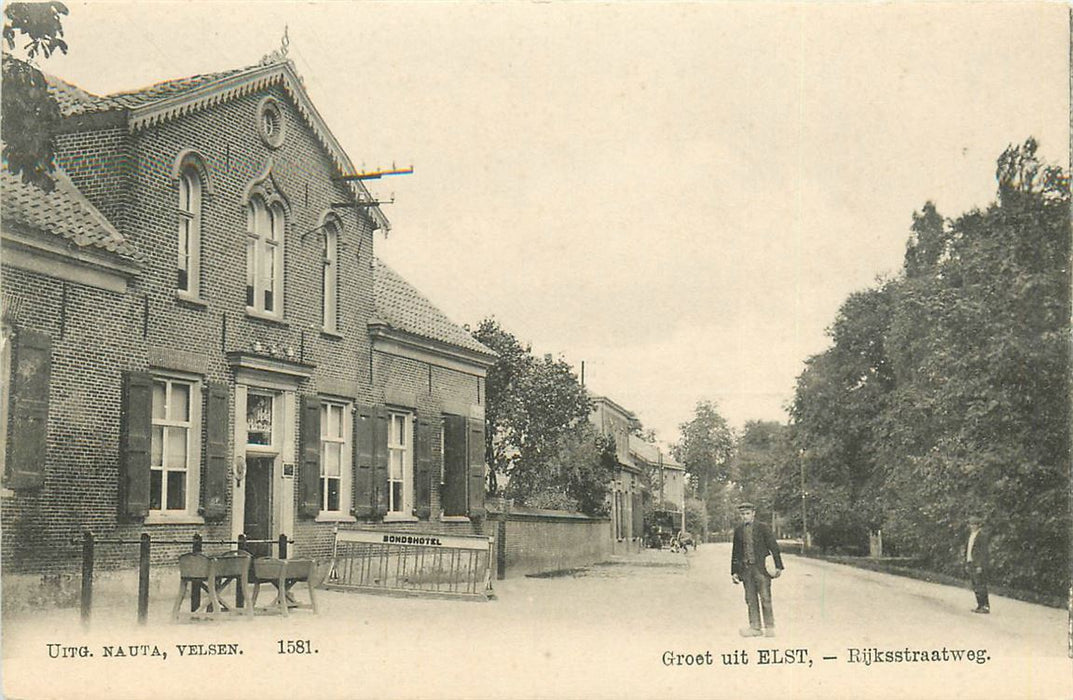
<point>603,633</point>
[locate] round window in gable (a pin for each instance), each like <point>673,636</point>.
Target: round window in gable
<point>270,124</point>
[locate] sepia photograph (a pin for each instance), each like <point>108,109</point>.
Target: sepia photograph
<point>526,350</point>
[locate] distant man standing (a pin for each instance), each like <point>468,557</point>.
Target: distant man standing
<point>977,560</point>
<point>753,542</point>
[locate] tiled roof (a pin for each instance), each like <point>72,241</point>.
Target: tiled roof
<point>153,105</point>
<point>651,453</point>
<point>402,307</point>
<point>64,212</point>
<point>74,100</point>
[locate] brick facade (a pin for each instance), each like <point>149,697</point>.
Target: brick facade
<point>97,336</point>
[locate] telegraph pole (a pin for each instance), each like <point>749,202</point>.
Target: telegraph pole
<point>804,509</point>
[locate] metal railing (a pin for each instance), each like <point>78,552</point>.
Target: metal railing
<point>417,563</point>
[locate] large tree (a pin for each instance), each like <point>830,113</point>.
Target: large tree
<point>536,409</point>
<point>980,417</point>
<point>834,413</point>
<point>29,114</point>
<point>764,464</point>
<point>945,391</point>
<point>705,448</point>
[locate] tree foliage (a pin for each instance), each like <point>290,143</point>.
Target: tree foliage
<point>575,476</point>
<point>945,390</point>
<point>30,115</point>
<point>537,414</point>
<point>705,448</point>
<point>764,464</point>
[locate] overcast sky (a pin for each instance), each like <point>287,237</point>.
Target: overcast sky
<point>679,195</point>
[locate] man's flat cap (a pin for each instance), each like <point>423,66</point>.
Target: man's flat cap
<point>746,506</point>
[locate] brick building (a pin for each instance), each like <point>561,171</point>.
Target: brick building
<point>199,338</point>
<point>668,480</point>
<point>628,486</point>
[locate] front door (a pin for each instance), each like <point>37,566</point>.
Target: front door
<point>258,518</point>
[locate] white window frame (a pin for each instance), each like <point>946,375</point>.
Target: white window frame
<point>330,275</point>
<point>275,401</point>
<point>193,446</point>
<point>400,469</point>
<point>188,235</point>
<point>264,257</point>
<point>345,441</point>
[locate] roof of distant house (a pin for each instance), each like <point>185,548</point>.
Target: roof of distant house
<point>63,212</point>
<point>404,308</point>
<point>653,453</point>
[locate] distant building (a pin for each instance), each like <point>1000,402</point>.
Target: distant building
<point>627,493</point>
<point>668,481</point>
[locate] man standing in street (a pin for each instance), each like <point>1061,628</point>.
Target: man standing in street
<point>977,559</point>
<point>752,543</point>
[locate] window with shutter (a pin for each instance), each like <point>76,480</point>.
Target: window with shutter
<point>309,466</point>
<point>217,484</point>
<point>364,439</point>
<point>423,471</point>
<point>400,466</point>
<point>136,444</point>
<point>335,460</point>
<point>381,487</point>
<point>455,466</point>
<point>476,468</point>
<point>28,439</point>
<point>173,432</point>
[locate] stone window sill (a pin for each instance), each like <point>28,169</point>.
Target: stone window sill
<point>190,299</point>
<point>330,335</point>
<point>454,519</point>
<point>326,517</point>
<point>399,518</point>
<point>262,316</point>
<point>173,519</point>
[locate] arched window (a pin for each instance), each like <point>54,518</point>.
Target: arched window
<point>188,263</point>
<point>264,257</point>
<point>330,275</point>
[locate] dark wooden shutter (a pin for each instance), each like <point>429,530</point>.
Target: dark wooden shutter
<point>638,515</point>
<point>29,415</point>
<point>476,467</point>
<point>380,458</point>
<point>309,459</point>
<point>136,444</point>
<point>217,412</point>
<point>455,465</point>
<point>423,467</point>
<point>364,439</point>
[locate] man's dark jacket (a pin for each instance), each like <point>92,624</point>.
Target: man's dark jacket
<point>763,542</point>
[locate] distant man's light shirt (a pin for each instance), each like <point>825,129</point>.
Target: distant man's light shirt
<point>972,539</point>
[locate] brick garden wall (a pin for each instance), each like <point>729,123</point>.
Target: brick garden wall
<point>531,540</point>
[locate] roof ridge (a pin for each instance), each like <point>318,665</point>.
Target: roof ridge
<point>201,78</point>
